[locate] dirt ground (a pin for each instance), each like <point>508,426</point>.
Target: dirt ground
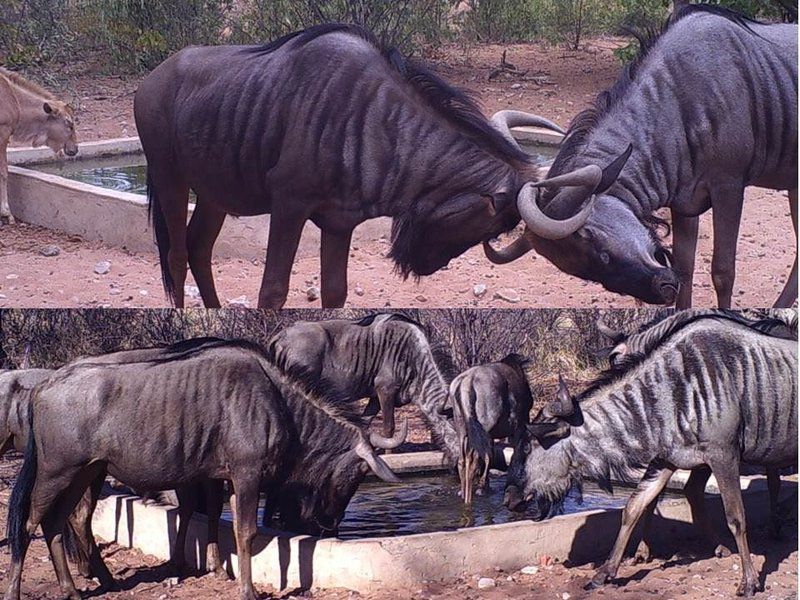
<point>687,574</point>
<point>557,84</point>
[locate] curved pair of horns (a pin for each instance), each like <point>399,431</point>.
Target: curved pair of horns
<point>591,179</point>
<point>366,451</point>
<point>504,120</point>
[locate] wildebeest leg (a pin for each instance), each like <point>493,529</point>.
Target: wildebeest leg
<point>213,490</point>
<point>5,210</point>
<point>684,249</point>
<point>774,487</point>
<point>643,552</point>
<point>245,515</point>
<point>334,252</point>
<point>284,236</point>
<point>81,522</point>
<point>188,499</point>
<point>726,203</point>
<point>726,470</point>
<point>695,490</point>
<point>204,228</point>
<point>386,390</point>
<point>655,479</point>
<point>55,505</point>
<point>789,293</point>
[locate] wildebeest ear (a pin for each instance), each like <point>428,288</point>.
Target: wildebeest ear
<point>48,108</point>
<point>612,171</point>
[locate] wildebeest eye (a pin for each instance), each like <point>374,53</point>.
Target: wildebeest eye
<point>605,258</point>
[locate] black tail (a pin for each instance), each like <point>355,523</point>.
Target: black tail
<point>20,504</point>
<point>162,237</point>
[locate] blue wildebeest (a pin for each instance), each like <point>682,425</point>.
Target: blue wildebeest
<point>30,114</point>
<point>321,125</point>
<point>708,108</point>
<point>384,357</point>
<point>634,346</point>
<point>203,410</point>
<point>490,402</point>
<point>15,391</point>
<point>713,392</point>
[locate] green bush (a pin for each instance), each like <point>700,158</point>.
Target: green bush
<point>34,31</point>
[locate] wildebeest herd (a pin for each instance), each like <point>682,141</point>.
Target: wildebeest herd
<point>326,125</point>
<point>704,389</point>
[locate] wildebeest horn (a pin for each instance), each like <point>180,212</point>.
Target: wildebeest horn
<point>608,332</point>
<point>376,463</point>
<point>542,225</point>
<point>563,406</point>
<point>589,176</point>
<point>513,251</point>
<point>504,120</point>
<point>543,431</point>
<point>379,441</point>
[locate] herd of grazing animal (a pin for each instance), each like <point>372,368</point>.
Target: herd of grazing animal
<point>325,125</point>
<point>282,421</point>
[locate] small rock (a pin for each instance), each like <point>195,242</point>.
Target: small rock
<point>530,570</point>
<point>12,276</point>
<point>3,296</point>
<point>240,302</point>
<point>359,291</point>
<point>479,290</point>
<point>312,293</point>
<point>102,267</point>
<point>565,596</point>
<point>172,581</point>
<point>485,583</point>
<point>192,291</point>
<point>516,86</point>
<point>508,294</point>
<point>50,250</point>
<point>420,298</point>
<point>144,293</point>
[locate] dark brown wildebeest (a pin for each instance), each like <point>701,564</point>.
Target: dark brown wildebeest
<point>321,125</point>
<point>709,107</point>
<point>384,357</point>
<point>711,391</point>
<point>490,402</point>
<point>31,115</point>
<point>213,410</point>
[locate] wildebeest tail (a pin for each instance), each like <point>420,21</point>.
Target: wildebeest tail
<point>162,237</point>
<point>74,550</point>
<point>20,503</point>
<point>477,440</point>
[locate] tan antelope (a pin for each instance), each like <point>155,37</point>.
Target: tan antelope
<point>32,115</point>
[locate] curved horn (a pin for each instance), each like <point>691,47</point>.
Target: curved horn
<point>379,441</point>
<point>376,463</point>
<point>589,176</point>
<point>542,225</point>
<point>608,332</point>
<point>504,120</point>
<point>563,406</point>
<point>520,246</point>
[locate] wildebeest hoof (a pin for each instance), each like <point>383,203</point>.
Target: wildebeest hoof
<point>746,588</point>
<point>722,551</point>
<point>598,581</point>
<point>642,555</point>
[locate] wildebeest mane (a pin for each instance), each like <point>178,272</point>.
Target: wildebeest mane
<point>370,319</point>
<point>457,105</point>
<point>663,328</point>
<point>586,121</point>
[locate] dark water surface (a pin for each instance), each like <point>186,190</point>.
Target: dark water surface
<point>428,503</point>
<point>128,172</point>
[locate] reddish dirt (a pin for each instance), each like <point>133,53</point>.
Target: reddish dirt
<point>570,81</point>
<point>680,576</point>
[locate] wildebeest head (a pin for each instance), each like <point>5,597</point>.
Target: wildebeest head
<point>603,241</point>
<point>58,132</point>
<point>317,491</point>
<point>539,476</point>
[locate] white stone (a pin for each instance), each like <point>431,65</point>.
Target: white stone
<point>485,583</point>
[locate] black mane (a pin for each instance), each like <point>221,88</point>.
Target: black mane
<point>585,121</point>
<point>456,105</point>
<point>665,327</point>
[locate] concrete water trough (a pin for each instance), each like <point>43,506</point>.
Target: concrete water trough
<point>287,561</point>
<point>119,218</point>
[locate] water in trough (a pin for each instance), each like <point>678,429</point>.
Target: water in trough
<point>128,172</point>
<point>428,503</point>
